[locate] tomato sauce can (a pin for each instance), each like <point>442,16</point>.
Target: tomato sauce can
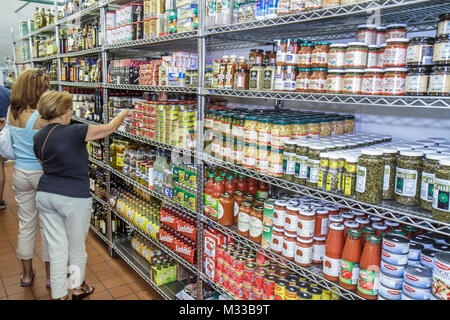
<point>391,269</point>
<point>418,276</point>
<point>291,293</point>
<point>249,269</point>
<point>441,276</point>
<point>414,251</point>
<point>257,295</point>
<point>394,258</point>
<point>395,244</point>
<point>247,292</point>
<point>239,292</point>
<point>258,279</point>
<point>391,281</point>
<point>280,289</point>
<point>416,293</point>
<point>239,267</point>
<point>231,286</point>
<point>225,282</point>
<point>316,293</point>
<point>390,293</point>
<point>268,287</point>
<point>326,294</point>
<point>239,278</point>
<point>302,285</point>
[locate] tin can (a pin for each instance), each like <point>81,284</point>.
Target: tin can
<point>326,294</point>
<point>390,293</point>
<point>392,269</point>
<point>268,287</point>
<point>427,258</point>
<point>418,276</point>
<point>272,269</point>
<point>416,293</point>
<point>239,278</point>
<point>258,279</point>
<point>441,275</point>
<point>395,244</point>
<point>225,282</point>
<point>316,293</point>
<point>394,258</point>
<point>291,293</point>
<point>391,281</point>
<point>304,295</point>
<point>302,285</point>
<point>414,251</point>
<point>247,293</point>
<point>291,279</point>
<point>239,264</point>
<point>257,295</point>
<point>249,269</point>
<point>280,289</point>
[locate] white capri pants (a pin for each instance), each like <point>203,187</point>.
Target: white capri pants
<point>25,183</point>
<point>66,225</point>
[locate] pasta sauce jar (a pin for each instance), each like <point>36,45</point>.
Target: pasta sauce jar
<point>302,80</point>
<point>417,80</point>
<point>395,52</point>
<point>336,56</point>
<point>372,82</point>
<point>394,81</point>
<point>356,55</point>
<point>395,30</point>
<point>420,51</point>
<point>318,80</point>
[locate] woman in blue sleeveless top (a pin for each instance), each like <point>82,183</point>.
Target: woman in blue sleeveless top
<point>24,122</point>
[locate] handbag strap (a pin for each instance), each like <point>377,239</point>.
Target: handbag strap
<point>45,142</point>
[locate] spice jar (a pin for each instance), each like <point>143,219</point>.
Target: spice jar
<point>367,34</point>
<point>313,165</point>
<point>372,82</point>
<point>303,79</point>
<point>335,81</point>
<point>318,80</point>
<point>394,81</point>
<point>244,218</point>
<point>440,207</point>
<point>443,26</point>
<point>417,81</point>
<point>439,81</point>
<point>269,77</point>
<point>408,177</point>
<point>395,52</point>
<point>390,163</point>
<point>441,55</point>
<point>255,224</point>
<point>289,243</point>
<point>305,54</point>
<point>256,77</point>
<point>319,56</point>
<point>303,252</point>
<point>395,30</point>
<point>381,35</point>
<point>430,167</point>
<point>356,55</point>
<point>301,162</point>
<point>420,51</point>
<point>289,159</point>
<point>349,177</point>
<point>353,81</point>
<point>276,162</point>
<point>374,57</point>
<point>277,240</point>
<point>242,79</point>
<point>225,209</point>
<point>369,177</point>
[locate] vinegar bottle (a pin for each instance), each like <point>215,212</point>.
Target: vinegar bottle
<point>348,277</point>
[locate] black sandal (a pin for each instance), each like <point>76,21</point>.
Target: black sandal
<point>87,290</point>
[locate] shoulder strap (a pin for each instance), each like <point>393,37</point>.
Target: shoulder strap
<point>32,120</point>
<point>46,138</point>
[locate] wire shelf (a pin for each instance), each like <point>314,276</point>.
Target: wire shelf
<point>138,87</point>
<point>100,235</point>
<point>80,84</point>
<point>86,52</point>
<point>79,119</point>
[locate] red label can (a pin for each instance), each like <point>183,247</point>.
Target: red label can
<point>268,287</point>
<point>258,279</point>
<point>249,269</point>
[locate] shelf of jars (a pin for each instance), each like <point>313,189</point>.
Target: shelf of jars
<point>137,87</point>
<point>85,13</point>
<point>79,119</point>
<point>99,163</point>
<point>123,248</point>
<point>86,52</point>
<point>327,23</point>
<point>79,84</point>
<point>410,215</point>
<point>102,237</point>
<point>372,100</point>
<point>312,273</point>
<point>160,245</point>
<point>43,59</point>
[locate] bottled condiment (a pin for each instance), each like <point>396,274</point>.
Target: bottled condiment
<point>333,252</point>
<point>394,81</point>
<point>252,186</point>
<point>417,80</point>
<point>306,222</point>
<point>319,57</point>
<point>304,252</point>
<point>356,55</point>
<point>256,224</point>
<point>318,80</point>
<point>262,191</point>
<point>439,81</point>
<point>420,51</point>
<point>305,54</point>
<point>336,56</point>
<point>208,192</point>
<point>225,213</point>
<point>303,79</point>
<point>443,26</point>
<point>256,77</point>
<point>441,54</point>
<point>374,57</point>
<point>395,53</point>
<point>353,81</point>
<point>369,273</point>
<point>242,79</point>
<point>269,77</point>
<point>335,81</point>
<point>244,218</point>
<point>217,190</point>
<point>390,163</point>
<point>241,183</point>
<point>366,230</point>
<point>372,82</point>
<point>238,198</point>
<point>351,254</point>
<point>369,178</point>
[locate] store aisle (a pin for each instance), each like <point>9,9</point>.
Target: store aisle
<point>112,278</point>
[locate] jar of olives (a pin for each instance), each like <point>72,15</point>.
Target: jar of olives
<point>301,161</point>
<point>349,176</point>
<point>326,128</point>
<point>323,170</point>
<point>314,164</point>
<point>369,176</point>
<point>250,130</point>
<point>390,163</point>
<point>332,174</point>
<point>289,160</point>
<point>430,167</point>
<point>263,127</point>
<point>299,129</point>
<point>441,208</point>
<point>276,162</point>
<point>408,177</point>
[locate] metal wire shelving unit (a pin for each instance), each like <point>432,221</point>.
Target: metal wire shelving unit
<point>321,24</point>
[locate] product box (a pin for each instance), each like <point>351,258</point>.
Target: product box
<point>186,11</point>
<point>209,267</point>
<point>164,275</point>
<point>266,239</point>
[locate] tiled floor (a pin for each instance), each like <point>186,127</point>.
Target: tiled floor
<point>112,278</point>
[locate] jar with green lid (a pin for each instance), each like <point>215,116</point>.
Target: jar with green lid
<point>430,167</point>
<point>301,161</point>
<point>349,176</point>
<point>280,133</point>
<point>323,170</point>
<point>299,129</point>
<point>408,177</point>
<point>313,128</point>
<point>390,163</point>
<point>276,162</point>
<point>326,129</point>
<point>440,207</point>
<point>262,159</point>
<point>369,176</point>
<point>313,165</point>
<point>264,129</point>
<point>250,131</point>
<point>289,160</point>
<point>237,127</point>
<point>250,155</point>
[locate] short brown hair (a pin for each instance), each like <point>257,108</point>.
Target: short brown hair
<point>27,89</point>
<point>54,104</point>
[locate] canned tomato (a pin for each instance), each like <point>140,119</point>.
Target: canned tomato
<point>239,278</point>
<point>416,293</point>
<point>247,292</point>
<point>394,258</point>
<point>249,269</point>
<point>390,293</point>
<point>280,289</point>
<point>418,276</point>
<point>302,285</point>
<point>304,295</point>
<point>257,295</point>
<point>291,293</point>
<point>291,279</point>
<point>392,269</point>
<point>239,266</point>
<point>395,243</point>
<point>414,251</point>
<point>391,281</point>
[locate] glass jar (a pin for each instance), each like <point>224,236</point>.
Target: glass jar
<point>280,133</point>
<point>318,80</point>
<point>333,180</point>
<point>292,54</point>
<point>338,124</point>
<point>313,128</point>
<point>441,55</point>
<point>269,77</point>
<point>242,79</point>
<point>408,177</point>
<point>259,57</point>
<point>237,128</point>
<point>353,81</point>
<point>326,128</point>
<point>262,159</point>
<point>367,33</point>
<point>349,176</point>
<point>430,167</point>
<point>238,152</point>
<point>331,3</point>
<point>349,123</point>
<point>244,218</point>
<point>372,82</point>
<point>374,56</point>
<point>313,165</point>
<point>443,27</point>
<point>281,52</point>
<point>439,81</point>
<point>417,80</point>
<point>255,224</point>
<point>441,208</point>
<point>250,130</point>
<point>356,55</point>
<point>336,56</point>
<point>276,162</point>
<point>264,129</point>
<point>289,160</point>
<point>394,81</point>
<point>420,51</point>
<point>323,170</point>
<point>303,79</point>
<point>301,162</point>
<point>290,78</point>
<point>369,176</point>
<point>395,30</point>
<point>305,54</point>
<point>256,79</point>
<point>395,53</point>
<point>251,57</point>
<point>250,154</point>
<point>299,129</point>
<point>390,163</point>
<point>381,35</point>
<point>280,77</point>
<point>335,81</point>
<point>319,57</point>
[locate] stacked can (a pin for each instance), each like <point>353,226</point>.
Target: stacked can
<point>186,124</point>
<point>416,283</point>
